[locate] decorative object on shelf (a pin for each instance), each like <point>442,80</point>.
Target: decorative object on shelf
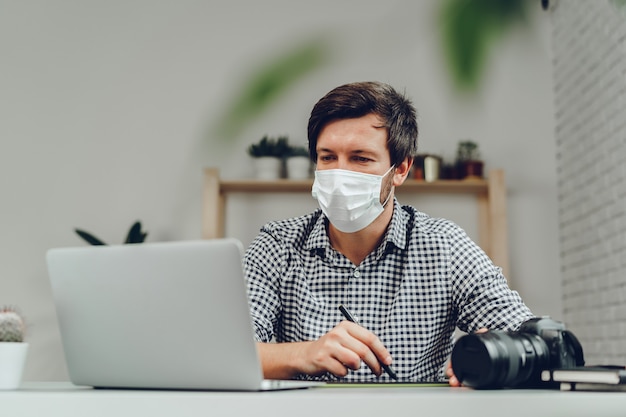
<point>468,160</point>
<point>432,168</point>
<point>13,349</point>
<point>268,154</point>
<point>449,171</point>
<point>427,167</point>
<point>298,163</point>
<point>135,235</point>
<point>418,167</point>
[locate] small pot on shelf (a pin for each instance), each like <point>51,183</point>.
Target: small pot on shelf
<point>267,167</point>
<point>298,163</point>
<point>267,155</point>
<point>472,169</point>
<point>298,168</point>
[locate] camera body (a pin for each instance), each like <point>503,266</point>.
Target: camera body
<point>499,359</point>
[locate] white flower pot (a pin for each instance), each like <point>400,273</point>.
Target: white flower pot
<point>267,167</point>
<point>298,168</point>
<point>12,361</point>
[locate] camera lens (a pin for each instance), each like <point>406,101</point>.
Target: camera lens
<point>497,359</point>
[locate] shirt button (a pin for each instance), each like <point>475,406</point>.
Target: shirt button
<point>356,273</point>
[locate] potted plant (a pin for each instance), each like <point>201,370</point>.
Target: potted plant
<point>298,163</point>
<point>468,161</point>
<point>268,156</point>
<point>13,349</point>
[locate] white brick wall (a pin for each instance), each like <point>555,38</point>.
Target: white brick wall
<point>589,43</point>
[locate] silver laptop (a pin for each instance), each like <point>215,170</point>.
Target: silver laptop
<point>157,316</point>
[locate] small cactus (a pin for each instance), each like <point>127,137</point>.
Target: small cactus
<point>11,325</point>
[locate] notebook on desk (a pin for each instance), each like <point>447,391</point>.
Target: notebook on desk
<point>157,316</point>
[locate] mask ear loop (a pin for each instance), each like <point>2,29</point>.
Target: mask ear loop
<point>392,187</point>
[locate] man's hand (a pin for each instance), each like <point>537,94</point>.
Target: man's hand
<point>344,348</point>
<point>341,349</point>
<point>452,380</point>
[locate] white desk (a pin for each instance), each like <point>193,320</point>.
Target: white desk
<point>62,399</point>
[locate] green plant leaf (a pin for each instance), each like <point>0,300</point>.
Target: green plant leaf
<point>297,151</point>
<point>89,238</point>
<point>467,150</point>
<point>267,146</point>
<point>469,28</point>
<point>135,235</point>
<point>267,83</point>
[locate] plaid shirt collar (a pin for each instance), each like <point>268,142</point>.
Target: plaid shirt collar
<point>318,240</point>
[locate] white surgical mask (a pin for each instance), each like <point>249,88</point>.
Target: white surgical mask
<point>350,200</point>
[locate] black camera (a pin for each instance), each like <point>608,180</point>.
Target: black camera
<point>499,359</point>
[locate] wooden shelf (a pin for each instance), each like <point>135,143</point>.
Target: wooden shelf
<point>477,186</point>
<point>490,196</point>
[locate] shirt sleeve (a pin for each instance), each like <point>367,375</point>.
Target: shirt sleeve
<point>482,297</point>
<point>262,269</point>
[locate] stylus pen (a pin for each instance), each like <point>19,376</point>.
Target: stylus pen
<point>350,317</point>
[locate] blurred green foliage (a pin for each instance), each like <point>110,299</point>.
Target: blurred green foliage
<point>267,83</point>
<point>467,150</point>
<point>135,235</point>
<point>275,147</point>
<point>469,29</point>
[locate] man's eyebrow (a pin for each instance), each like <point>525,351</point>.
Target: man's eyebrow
<point>354,151</point>
<point>324,150</point>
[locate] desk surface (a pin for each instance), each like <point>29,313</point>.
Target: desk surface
<point>52,399</point>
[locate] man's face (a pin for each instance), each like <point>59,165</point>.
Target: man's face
<point>355,145</point>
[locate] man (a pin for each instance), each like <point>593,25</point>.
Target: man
<point>409,278</point>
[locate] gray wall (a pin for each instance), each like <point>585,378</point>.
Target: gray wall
<point>590,92</point>
<point>106,108</point>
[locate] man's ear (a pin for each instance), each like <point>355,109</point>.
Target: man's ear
<point>402,171</point>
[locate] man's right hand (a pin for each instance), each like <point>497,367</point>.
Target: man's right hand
<point>341,349</point>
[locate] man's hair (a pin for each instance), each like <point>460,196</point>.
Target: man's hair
<point>351,101</point>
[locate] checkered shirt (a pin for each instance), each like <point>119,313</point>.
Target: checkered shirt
<point>426,277</point>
